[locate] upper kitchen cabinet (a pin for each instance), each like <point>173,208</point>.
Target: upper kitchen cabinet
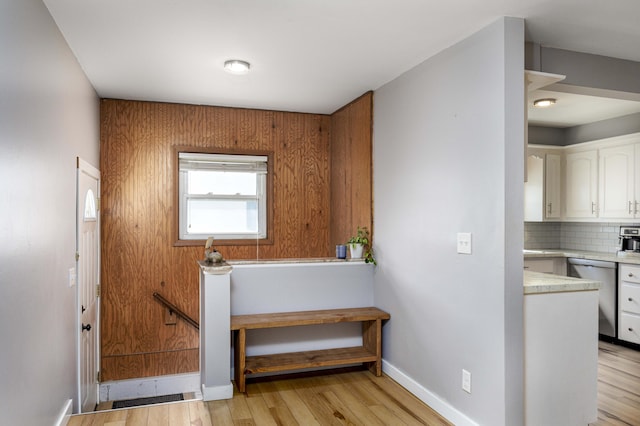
<point>553,180</point>
<point>534,189</point>
<point>593,181</point>
<point>619,177</point>
<point>542,188</point>
<point>542,191</point>
<point>581,180</point>
<point>616,182</point>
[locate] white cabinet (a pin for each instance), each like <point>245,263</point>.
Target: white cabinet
<point>616,182</point>
<point>561,353</point>
<point>542,200</point>
<point>619,180</point>
<point>553,179</point>
<point>581,178</point>
<point>629,303</point>
<point>593,181</point>
<point>636,180</point>
<point>534,189</point>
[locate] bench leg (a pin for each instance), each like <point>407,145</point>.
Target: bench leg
<point>372,341</point>
<point>239,357</point>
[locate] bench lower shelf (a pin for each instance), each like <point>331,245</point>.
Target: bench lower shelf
<point>308,359</point>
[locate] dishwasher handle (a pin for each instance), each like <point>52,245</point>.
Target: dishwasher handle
<point>589,262</point>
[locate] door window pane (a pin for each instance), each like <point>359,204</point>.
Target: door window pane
<point>90,207</point>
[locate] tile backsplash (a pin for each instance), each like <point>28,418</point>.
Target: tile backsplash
<point>542,235</point>
<point>602,237</point>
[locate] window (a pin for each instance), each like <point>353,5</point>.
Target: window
<point>223,196</point>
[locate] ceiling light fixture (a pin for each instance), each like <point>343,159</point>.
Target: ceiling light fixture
<point>236,66</point>
<point>544,103</point>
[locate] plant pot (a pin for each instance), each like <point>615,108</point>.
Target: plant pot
<point>356,251</point>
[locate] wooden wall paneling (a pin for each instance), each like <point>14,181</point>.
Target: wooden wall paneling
<point>316,190</point>
<point>301,185</point>
<point>361,161</point>
<point>138,184</point>
<point>340,223</point>
<point>156,364</point>
<point>351,169</point>
<point>286,190</point>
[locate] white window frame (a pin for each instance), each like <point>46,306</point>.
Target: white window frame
<point>258,164</point>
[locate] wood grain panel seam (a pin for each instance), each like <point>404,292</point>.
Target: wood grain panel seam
<point>149,353</point>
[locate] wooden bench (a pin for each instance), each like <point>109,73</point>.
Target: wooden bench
<point>370,353</point>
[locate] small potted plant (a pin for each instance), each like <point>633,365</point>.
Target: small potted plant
<point>359,245</point>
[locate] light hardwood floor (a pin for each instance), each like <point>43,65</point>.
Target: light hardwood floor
<point>618,386</point>
<point>360,398</point>
<point>346,398</point>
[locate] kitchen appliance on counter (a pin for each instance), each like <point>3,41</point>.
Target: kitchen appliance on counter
<point>607,274</point>
<point>630,239</point>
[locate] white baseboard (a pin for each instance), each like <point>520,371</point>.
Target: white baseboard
<point>425,395</point>
<point>150,386</point>
<point>214,393</point>
<point>65,413</point>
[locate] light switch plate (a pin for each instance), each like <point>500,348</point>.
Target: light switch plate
<point>466,381</point>
<point>72,277</point>
<point>464,242</point>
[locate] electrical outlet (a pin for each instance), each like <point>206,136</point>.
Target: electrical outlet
<point>466,381</point>
<point>464,242</point>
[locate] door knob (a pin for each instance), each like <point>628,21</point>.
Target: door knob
<point>86,327</point>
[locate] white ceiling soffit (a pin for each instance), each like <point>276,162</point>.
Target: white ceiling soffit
<point>575,109</point>
<point>306,56</point>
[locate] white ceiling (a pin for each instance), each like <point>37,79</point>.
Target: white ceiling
<point>306,55</point>
<point>575,109</point>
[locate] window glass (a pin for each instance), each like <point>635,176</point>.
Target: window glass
<point>223,196</point>
<point>222,216</point>
<point>202,182</point>
<point>90,207</point>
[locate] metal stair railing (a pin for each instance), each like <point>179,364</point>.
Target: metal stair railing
<point>173,308</point>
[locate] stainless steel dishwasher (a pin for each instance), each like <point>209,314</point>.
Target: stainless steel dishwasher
<point>607,274</point>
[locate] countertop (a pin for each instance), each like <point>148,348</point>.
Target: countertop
<point>537,283</point>
<point>621,257</point>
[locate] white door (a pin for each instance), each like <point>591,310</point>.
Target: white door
<point>88,267</point>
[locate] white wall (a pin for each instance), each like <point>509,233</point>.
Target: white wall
<point>285,287</point>
<point>49,114</point>
<point>448,158</point>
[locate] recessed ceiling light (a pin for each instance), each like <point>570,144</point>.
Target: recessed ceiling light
<point>236,66</point>
<point>544,103</point>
